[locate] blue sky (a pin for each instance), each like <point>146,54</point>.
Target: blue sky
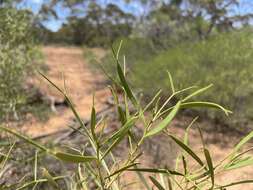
<point>245,6</point>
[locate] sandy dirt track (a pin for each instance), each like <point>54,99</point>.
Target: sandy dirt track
<point>80,82</point>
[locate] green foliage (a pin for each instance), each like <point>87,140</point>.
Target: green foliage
<point>224,60</point>
<point>102,169</point>
<point>17,55</point>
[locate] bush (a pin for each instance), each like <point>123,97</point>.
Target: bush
<point>224,60</point>
<point>17,59</point>
<point>135,49</point>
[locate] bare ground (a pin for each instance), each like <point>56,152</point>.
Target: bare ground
<point>81,83</point>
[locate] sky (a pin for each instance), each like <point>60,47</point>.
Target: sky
<point>245,6</point>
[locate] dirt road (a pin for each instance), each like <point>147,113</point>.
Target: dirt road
<point>81,83</point>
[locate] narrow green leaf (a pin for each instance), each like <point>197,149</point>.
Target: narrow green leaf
<point>93,124</point>
<point>243,162</point>
<point>184,165</point>
<point>123,130</point>
<point>73,158</point>
<point>182,155</point>
<point>242,142</point>
<point>122,169</point>
<point>152,170</point>
<point>187,149</point>
<point>156,183</point>
<point>188,129</point>
<point>27,139</point>
<point>197,92</point>
<point>210,165</point>
<point>205,104</point>
<point>125,85</point>
<point>165,122</point>
<point>201,137</point>
<point>122,115</point>
<point>119,135</point>
<point>124,82</point>
<point>126,111</point>
<point>153,100</point>
<point>25,186</point>
<point>171,83</point>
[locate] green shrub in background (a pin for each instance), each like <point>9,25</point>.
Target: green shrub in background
<point>17,59</point>
<point>226,60</point>
<point>134,49</point>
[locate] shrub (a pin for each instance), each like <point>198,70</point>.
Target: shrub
<point>17,59</point>
<point>98,168</point>
<point>135,49</point>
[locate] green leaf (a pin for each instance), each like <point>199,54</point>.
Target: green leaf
<point>125,85</point>
<point>124,82</point>
<point>171,82</point>
<point>197,92</point>
<point>122,169</point>
<point>184,165</point>
<point>73,158</point>
<point>28,184</point>
<point>205,104</point>
<point>153,100</point>
<point>188,129</point>
<point>120,134</point>
<point>210,165</point>
<point>152,170</point>
<point>122,115</point>
<point>119,48</point>
<point>27,139</point>
<point>93,124</point>
<point>243,162</point>
<point>187,149</point>
<point>165,122</point>
<point>156,183</point>
<point>242,142</point>
<point>123,130</point>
